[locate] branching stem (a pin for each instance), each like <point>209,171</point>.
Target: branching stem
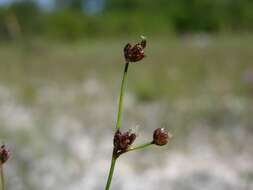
<point>140,147</point>
<point>118,125</point>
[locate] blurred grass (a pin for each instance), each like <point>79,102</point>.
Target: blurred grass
<point>173,67</point>
<point>200,72</point>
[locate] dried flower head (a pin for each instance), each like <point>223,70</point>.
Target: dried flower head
<point>161,137</point>
<point>4,154</point>
<point>135,53</point>
<point>122,141</point>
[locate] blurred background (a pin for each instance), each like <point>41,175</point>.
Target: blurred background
<point>61,64</point>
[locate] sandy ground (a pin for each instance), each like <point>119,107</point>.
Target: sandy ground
<point>63,141</point>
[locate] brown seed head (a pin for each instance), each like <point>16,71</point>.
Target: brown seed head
<point>135,53</point>
<point>161,137</point>
<point>123,140</point>
<point>4,154</point>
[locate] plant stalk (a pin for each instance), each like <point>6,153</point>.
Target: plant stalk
<point>109,180</point>
<point>140,147</point>
<point>2,177</point>
<point>121,96</point>
<point>118,125</point>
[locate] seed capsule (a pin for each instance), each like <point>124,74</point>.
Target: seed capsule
<point>135,53</point>
<point>161,137</point>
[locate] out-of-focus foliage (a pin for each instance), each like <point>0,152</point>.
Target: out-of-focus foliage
<point>69,19</point>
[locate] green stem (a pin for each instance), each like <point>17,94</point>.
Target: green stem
<point>140,147</point>
<point>118,125</point>
<point>2,176</point>
<point>122,89</point>
<point>114,158</point>
<point>109,180</point>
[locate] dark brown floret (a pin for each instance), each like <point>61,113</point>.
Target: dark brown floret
<point>135,53</point>
<point>122,141</point>
<point>161,137</point>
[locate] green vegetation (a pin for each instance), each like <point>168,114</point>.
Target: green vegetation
<point>194,81</point>
<point>127,17</point>
<point>176,67</point>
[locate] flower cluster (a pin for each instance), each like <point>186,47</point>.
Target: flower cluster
<point>135,53</point>
<point>122,141</point>
<point>4,154</point>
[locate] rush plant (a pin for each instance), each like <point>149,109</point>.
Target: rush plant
<point>122,141</point>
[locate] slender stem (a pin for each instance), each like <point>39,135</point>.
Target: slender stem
<point>2,176</point>
<point>140,147</point>
<point>123,84</point>
<point>109,180</point>
<point>114,158</point>
<point>118,125</point>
